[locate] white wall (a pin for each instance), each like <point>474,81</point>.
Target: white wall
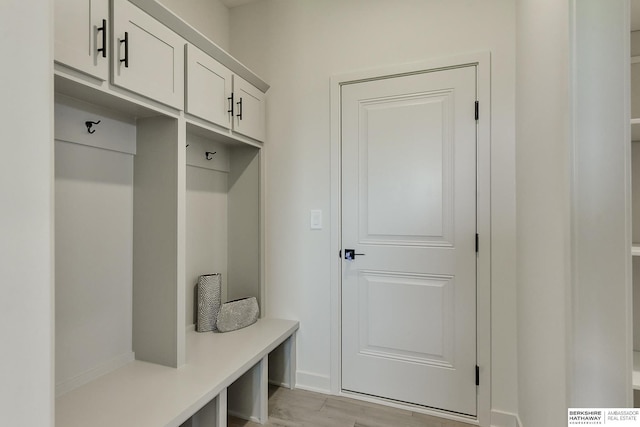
<point>210,17</point>
<point>206,231</point>
<point>223,219</point>
<point>207,222</point>
<point>573,208</point>
<point>26,215</point>
<point>543,209</point>
<point>297,46</point>
<point>601,328</point>
<point>93,243</point>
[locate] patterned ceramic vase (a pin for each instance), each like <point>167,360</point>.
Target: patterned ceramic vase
<point>209,300</point>
<point>238,314</point>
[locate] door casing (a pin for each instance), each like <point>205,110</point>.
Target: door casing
<point>483,62</point>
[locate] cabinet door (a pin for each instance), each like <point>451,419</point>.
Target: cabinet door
<point>208,88</point>
<point>80,35</point>
<point>249,110</point>
<point>148,57</point>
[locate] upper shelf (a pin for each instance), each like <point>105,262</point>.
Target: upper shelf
<point>635,130</point>
<point>635,98</point>
<point>190,34</point>
<point>636,370</point>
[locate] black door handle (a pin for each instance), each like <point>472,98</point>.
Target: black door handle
<point>103,29</point>
<point>350,254</point>
<point>239,103</point>
<point>230,110</point>
<point>126,49</point>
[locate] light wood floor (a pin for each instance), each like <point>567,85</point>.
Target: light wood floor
<point>299,408</point>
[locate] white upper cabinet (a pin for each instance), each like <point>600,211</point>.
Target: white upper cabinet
<point>217,95</point>
<point>148,56</point>
<point>209,88</point>
<point>81,35</point>
<point>249,106</point>
<point>141,47</point>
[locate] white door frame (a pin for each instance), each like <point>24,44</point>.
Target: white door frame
<point>483,62</point>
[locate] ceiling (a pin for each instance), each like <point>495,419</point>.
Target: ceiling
<point>235,3</point>
<point>635,10</point>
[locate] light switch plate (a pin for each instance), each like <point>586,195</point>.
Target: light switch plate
<point>316,219</point>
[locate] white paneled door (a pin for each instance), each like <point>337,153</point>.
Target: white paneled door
<point>409,215</point>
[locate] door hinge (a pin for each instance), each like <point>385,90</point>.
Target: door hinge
<point>340,254</point>
<point>477,243</point>
<point>477,110</point>
<point>477,375</point>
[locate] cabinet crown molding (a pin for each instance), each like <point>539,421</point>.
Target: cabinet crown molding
<point>193,36</point>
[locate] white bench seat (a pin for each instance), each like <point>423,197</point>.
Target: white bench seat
<point>144,394</point>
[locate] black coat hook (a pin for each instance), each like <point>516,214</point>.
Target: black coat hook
<point>89,124</point>
<point>209,154</point>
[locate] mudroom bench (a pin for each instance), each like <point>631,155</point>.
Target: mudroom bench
<point>224,373</point>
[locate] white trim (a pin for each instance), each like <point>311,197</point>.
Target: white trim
<point>504,419</point>
<point>313,382</point>
<point>412,408</point>
<point>569,303</point>
<point>483,61</point>
<point>335,287</point>
<point>174,22</point>
<point>283,384</point>
<point>76,85</point>
<point>251,418</point>
<point>263,235</point>
<point>628,205</point>
<point>483,292</point>
<point>86,377</point>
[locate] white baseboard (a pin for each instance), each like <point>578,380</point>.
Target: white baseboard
<point>282,384</point>
<point>322,384</point>
<point>410,407</point>
<point>313,382</point>
<point>67,385</point>
<point>244,417</point>
<point>504,419</point>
